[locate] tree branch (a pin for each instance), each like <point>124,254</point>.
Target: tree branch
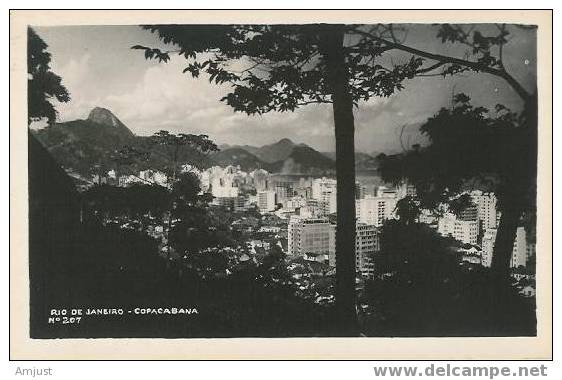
<point>476,66</point>
<point>430,68</point>
<point>314,102</point>
<point>502,30</point>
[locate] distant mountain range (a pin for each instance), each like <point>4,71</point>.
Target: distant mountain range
<point>278,156</point>
<point>363,161</point>
<point>271,153</point>
<point>283,156</point>
<point>80,145</point>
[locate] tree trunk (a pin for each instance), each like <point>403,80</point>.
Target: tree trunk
<point>519,190</point>
<point>338,78</point>
<point>505,239</point>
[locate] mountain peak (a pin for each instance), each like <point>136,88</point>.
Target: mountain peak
<point>104,116</point>
<point>285,141</point>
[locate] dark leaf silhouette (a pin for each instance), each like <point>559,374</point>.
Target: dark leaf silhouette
<point>43,85</point>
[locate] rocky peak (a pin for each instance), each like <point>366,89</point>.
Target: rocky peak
<point>285,141</point>
<point>104,116</point>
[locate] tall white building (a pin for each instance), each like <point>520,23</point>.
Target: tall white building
<point>367,244</point>
<point>324,190</point>
<point>466,231</point>
<point>295,202</point>
<point>519,254</point>
<point>329,202</point>
<point>310,236</point>
<point>322,187</point>
<point>488,242</point>
<point>446,224</point>
<point>531,249</point>
<point>375,210</point>
<point>266,200</point>
<point>487,211</point>
<point>462,230</point>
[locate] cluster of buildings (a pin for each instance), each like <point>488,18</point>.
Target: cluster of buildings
<point>469,226</point>
<point>477,226</point>
<point>523,250</point>
<point>148,176</point>
<point>306,204</point>
<point>239,190</point>
<point>314,237</point>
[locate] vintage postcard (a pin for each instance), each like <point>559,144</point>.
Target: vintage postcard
<point>287,185</point>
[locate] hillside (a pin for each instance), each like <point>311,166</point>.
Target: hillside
<point>363,161</point>
<point>237,156</point>
<point>291,158</point>
<point>271,153</point>
<point>276,152</point>
<point>305,160</point>
<point>81,145</point>
<point>247,148</point>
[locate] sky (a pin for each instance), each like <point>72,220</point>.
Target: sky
<point>99,69</point>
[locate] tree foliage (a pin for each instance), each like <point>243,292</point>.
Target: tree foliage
<point>460,203</point>
<point>187,188</point>
<point>134,200</point>
<point>278,67</point>
<point>466,142</point>
<point>174,150</point>
<point>183,148</point>
<point>420,289</point>
<point>484,50</point>
<point>128,157</point>
<point>43,86</point>
<point>410,259</point>
<point>408,209</point>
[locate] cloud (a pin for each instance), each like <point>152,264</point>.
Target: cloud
<point>74,75</point>
<point>99,68</point>
<point>164,98</point>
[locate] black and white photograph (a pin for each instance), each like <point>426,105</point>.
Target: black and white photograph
<point>283,180</point>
